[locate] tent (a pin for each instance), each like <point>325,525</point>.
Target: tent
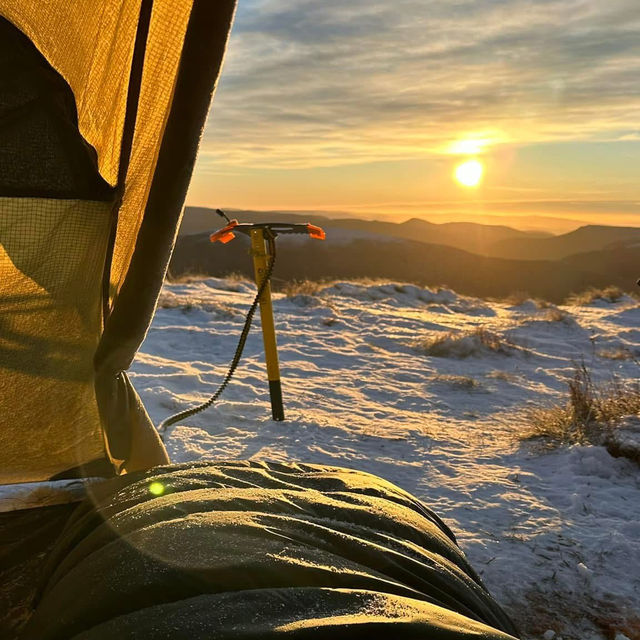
<point>102,104</point>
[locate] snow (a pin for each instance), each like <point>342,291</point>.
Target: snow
<point>554,534</point>
<point>428,389</point>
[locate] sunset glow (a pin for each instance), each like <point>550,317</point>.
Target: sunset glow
<point>539,93</point>
<point>473,145</point>
<point>469,173</point>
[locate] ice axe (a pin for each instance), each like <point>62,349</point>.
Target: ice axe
<point>263,251</point>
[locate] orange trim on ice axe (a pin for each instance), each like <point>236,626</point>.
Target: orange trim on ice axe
<point>316,232</point>
<point>226,234</point>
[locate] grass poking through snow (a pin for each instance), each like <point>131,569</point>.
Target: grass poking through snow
<point>464,344</point>
<point>618,353</point>
<point>591,411</point>
<point>462,383</point>
<point>294,288</point>
<point>591,295</point>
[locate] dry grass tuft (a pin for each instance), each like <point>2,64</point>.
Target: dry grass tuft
<point>477,342</point>
<point>505,376</point>
<point>295,288</point>
<point>236,276</point>
<point>233,281</point>
<point>550,606</point>
<point>550,314</point>
<point>188,304</point>
<point>553,314</point>
<point>187,277</point>
<point>516,298</point>
<point>519,298</point>
<point>465,383</point>
<point>617,353</point>
<point>169,300</point>
<point>589,414</point>
<point>590,295</point>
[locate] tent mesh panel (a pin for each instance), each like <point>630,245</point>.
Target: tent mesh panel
<point>51,260</point>
<point>90,43</point>
<point>92,50</point>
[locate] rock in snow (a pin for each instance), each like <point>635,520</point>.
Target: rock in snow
<point>624,439</point>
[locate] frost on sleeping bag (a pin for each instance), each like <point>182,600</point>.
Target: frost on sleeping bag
<point>254,550</point>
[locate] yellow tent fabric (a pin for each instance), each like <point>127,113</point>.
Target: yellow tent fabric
<point>49,330</point>
<point>98,134</point>
<point>90,43</point>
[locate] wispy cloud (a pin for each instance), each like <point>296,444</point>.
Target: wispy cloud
<point>326,82</point>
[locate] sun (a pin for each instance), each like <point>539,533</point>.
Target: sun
<point>469,173</point>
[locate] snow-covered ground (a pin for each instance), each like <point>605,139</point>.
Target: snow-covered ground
<point>555,534</point>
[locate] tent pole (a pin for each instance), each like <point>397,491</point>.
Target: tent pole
<point>126,144</point>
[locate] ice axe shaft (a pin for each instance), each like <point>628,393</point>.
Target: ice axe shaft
<point>260,264</point>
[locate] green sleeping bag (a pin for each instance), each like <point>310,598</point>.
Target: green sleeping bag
<point>254,550</point>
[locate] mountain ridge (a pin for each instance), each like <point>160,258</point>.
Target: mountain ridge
<point>408,261</point>
<point>496,241</point>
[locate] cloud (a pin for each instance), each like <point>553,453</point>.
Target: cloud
<point>324,82</point>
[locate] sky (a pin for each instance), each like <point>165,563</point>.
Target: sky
<point>369,106</point>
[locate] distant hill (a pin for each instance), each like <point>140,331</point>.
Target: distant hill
<point>401,260</point>
<point>497,241</point>
<point>469,236</point>
<point>550,225</point>
<point>542,225</point>
<point>582,240</point>
<point>620,263</point>
<point>475,259</point>
<point>476,238</point>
